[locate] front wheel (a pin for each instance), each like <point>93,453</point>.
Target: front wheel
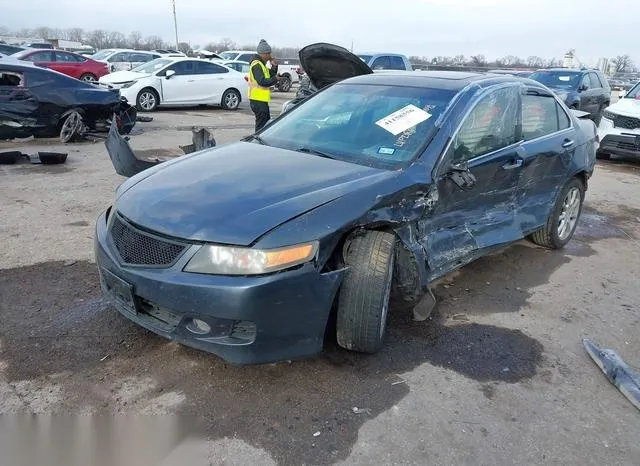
<point>147,100</point>
<point>231,99</point>
<point>564,217</point>
<point>363,301</point>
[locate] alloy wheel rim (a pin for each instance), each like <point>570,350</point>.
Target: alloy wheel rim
<point>569,214</point>
<point>231,100</point>
<point>147,100</point>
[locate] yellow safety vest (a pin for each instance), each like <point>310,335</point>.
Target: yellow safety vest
<point>257,92</point>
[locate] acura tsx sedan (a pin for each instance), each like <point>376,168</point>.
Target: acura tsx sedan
<point>374,186</point>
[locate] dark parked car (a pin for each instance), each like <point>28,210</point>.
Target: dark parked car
<point>39,102</point>
<point>586,90</point>
<point>373,187</point>
<point>7,49</point>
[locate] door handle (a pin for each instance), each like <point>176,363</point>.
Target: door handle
<point>517,163</point>
<point>567,143</point>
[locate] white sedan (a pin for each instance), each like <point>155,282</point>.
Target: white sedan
<point>179,82</point>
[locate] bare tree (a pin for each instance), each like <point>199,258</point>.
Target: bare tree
<point>535,62</point>
<point>510,60</point>
<point>184,47</point>
<point>459,60</point>
<point>153,42</point>
<point>478,60</point>
<point>43,33</point>
<point>76,34</point>
<point>623,64</point>
<point>135,40</point>
<point>97,38</point>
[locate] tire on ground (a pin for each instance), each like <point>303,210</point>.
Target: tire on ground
<point>363,300</point>
<point>155,104</point>
<point>232,104</point>
<point>548,235</point>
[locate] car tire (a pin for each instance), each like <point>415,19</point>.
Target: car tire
<point>231,99</point>
<point>363,300</point>
<point>555,234</point>
<point>89,77</point>
<point>284,85</point>
<point>147,100</point>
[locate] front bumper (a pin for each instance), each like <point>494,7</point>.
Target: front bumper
<point>252,319</point>
<point>618,141</point>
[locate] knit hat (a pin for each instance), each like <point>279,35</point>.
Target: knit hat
<point>263,47</point>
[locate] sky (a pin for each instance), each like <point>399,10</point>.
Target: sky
<point>494,28</point>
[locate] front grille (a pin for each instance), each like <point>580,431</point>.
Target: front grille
<point>626,122</point>
<point>136,247</point>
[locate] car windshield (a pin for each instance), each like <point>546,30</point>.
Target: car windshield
<point>634,92</point>
<point>228,55</point>
<point>365,58</point>
<point>373,125</point>
<point>102,54</point>
<point>558,79</point>
<point>152,66</point>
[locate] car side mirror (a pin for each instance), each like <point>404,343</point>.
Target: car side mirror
<point>461,176</point>
<point>169,73</point>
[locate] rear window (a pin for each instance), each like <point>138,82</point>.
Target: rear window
<point>383,126</point>
<point>558,79</point>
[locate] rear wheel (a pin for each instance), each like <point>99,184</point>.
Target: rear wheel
<point>231,99</point>
<point>564,217</point>
<point>147,100</point>
<point>89,77</point>
<point>363,301</point>
<point>284,85</point>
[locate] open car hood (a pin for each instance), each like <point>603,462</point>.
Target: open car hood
<point>326,64</point>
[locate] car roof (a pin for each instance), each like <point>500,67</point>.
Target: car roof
<point>394,54</point>
<point>565,70</point>
<point>446,80</point>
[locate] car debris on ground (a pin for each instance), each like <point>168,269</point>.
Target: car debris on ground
<point>617,371</point>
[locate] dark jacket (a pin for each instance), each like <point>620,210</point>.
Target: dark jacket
<point>259,75</point>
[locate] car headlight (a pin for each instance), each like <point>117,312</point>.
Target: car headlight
<point>127,84</point>
<point>229,260</point>
<point>608,115</point>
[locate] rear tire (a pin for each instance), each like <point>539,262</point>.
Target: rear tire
<point>284,85</point>
<point>556,233</point>
<point>231,99</point>
<point>363,300</point>
<point>89,77</point>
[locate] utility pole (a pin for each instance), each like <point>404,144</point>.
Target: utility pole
<point>175,21</point>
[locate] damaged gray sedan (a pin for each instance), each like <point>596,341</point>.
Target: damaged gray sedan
<point>375,185</point>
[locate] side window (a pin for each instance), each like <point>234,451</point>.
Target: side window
<point>563,118</point>
<point>539,116</point>
<point>65,57</point>
<point>381,63</point>
<point>183,68</point>
<point>586,81</point>
<point>396,63</point>
<point>595,80</point>
<point>210,68</point>
<point>490,126</point>
<point>121,57</point>
<point>140,57</point>
<point>245,57</point>
<point>40,56</point>
<point>11,79</point>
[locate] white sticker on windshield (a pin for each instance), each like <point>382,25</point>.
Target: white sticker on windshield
<point>564,78</point>
<point>403,119</point>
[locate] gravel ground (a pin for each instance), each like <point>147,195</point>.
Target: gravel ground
<point>498,375</point>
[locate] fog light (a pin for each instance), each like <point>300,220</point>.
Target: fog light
<point>198,326</point>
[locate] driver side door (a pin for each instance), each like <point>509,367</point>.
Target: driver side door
<point>468,221</point>
<point>181,88</point>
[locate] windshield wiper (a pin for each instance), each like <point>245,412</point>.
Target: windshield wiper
<point>255,137</point>
<point>307,150</point>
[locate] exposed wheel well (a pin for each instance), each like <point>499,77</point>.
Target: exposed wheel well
<point>584,177</point>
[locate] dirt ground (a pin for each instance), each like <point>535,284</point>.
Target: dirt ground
<point>497,376</point>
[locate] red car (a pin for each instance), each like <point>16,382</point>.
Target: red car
<point>71,64</point>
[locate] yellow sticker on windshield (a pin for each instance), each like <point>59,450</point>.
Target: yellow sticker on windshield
<point>403,119</point>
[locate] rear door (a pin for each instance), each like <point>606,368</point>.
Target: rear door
<point>67,63</point>
<point>120,61</point>
<point>211,82</point>
<point>548,149</point>
<point>598,86</point>
<point>589,96</point>
<point>466,223</point>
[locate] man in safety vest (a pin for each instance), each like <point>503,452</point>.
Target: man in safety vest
<point>260,80</point>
